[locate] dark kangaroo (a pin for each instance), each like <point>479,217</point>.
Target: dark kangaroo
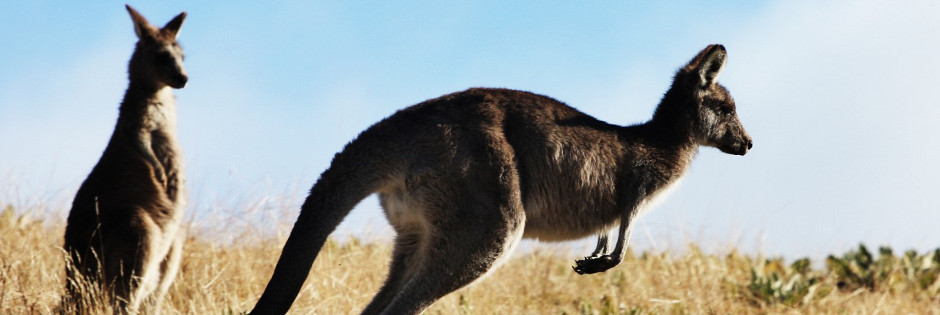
<point>463,177</point>
<point>123,233</point>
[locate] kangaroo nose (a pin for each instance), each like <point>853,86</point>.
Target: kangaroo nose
<point>750,144</point>
<point>181,80</point>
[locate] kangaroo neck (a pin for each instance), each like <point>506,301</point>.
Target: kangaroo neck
<point>671,138</point>
<point>148,107</point>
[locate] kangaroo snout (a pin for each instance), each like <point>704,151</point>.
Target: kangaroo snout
<point>736,147</point>
<point>746,146</point>
<point>179,81</point>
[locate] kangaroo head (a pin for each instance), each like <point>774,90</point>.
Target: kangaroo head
<point>708,105</point>
<point>158,58</point>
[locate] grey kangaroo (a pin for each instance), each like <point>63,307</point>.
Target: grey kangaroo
<point>463,177</point>
<point>123,233</point>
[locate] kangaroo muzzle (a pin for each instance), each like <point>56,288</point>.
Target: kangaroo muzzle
<point>179,81</point>
<point>743,147</point>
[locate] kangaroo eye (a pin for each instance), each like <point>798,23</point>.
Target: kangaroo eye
<point>164,58</point>
<point>725,111</point>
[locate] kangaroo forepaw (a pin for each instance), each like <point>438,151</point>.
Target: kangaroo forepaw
<point>593,264</point>
<point>160,174</point>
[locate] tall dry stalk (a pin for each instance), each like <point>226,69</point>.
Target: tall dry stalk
<point>224,274</point>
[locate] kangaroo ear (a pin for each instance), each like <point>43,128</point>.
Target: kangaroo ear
<point>141,25</point>
<point>707,65</point>
<point>172,28</point>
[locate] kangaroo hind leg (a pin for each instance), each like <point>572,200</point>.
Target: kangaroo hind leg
<point>471,222</point>
<point>405,257</point>
<point>453,257</point>
<point>131,264</point>
<point>169,267</point>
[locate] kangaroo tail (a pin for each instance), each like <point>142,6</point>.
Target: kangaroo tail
<point>350,178</point>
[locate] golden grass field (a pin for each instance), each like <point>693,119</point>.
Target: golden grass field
<point>225,274</point>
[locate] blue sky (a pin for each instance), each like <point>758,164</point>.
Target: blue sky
<point>839,97</point>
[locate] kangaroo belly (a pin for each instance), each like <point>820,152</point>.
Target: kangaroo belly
<point>571,216</point>
<point>568,193</point>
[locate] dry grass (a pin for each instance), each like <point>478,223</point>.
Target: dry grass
<point>225,274</point>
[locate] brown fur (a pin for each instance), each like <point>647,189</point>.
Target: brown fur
<point>123,231</point>
<point>462,178</point>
